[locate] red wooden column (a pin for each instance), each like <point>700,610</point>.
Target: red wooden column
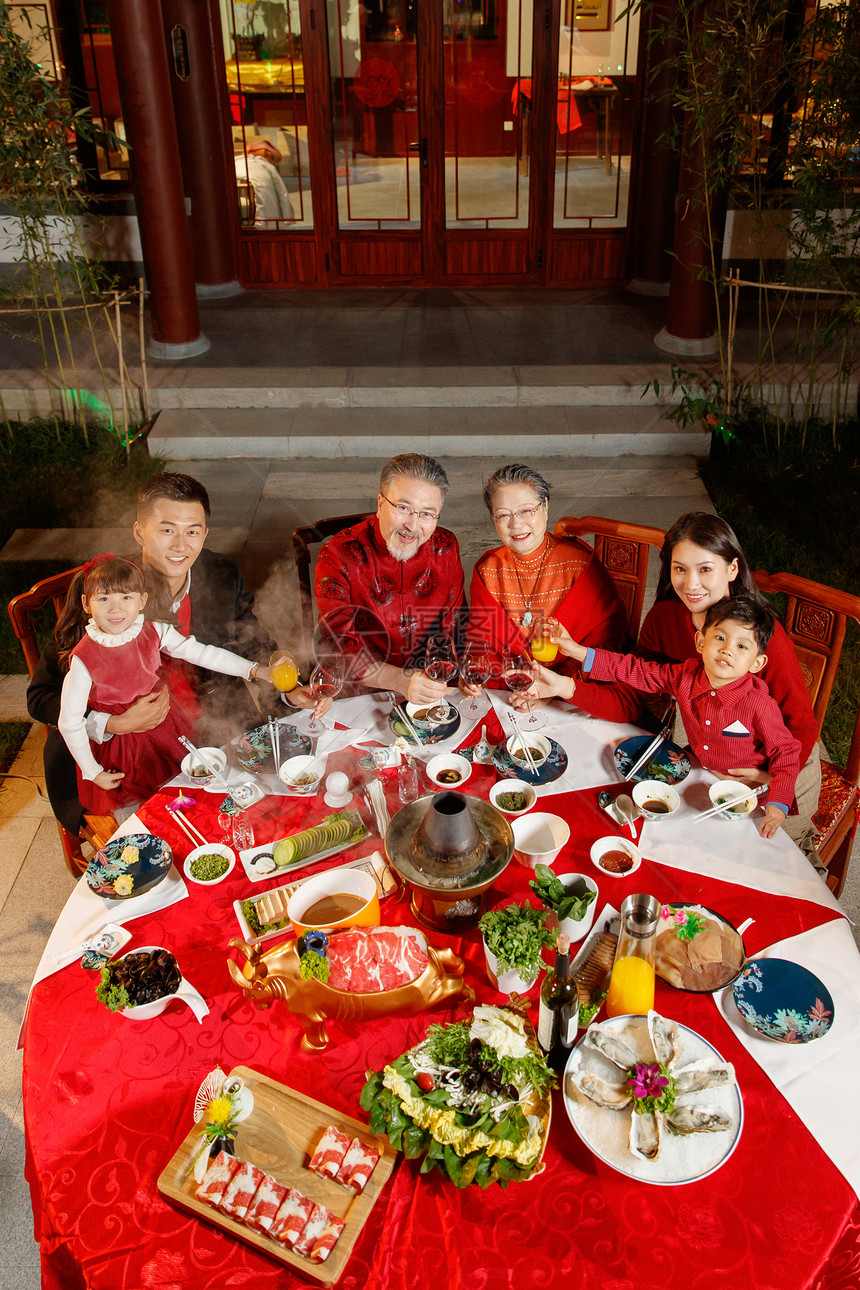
<point>144,85</point>
<point>202,120</point>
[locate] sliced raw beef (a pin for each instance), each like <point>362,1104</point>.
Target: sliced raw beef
<point>358,1164</point>
<point>366,960</point>
<point>241,1191</point>
<point>217,1176</point>
<point>312,1230</point>
<point>327,1239</point>
<point>331,1149</point>
<point>268,1200</point>
<point>291,1218</point>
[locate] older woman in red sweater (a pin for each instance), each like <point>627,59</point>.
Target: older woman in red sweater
<point>534,576</point>
<point>701,563</point>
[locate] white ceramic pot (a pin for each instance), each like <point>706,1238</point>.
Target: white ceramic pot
<point>572,927</point>
<point>508,982</point>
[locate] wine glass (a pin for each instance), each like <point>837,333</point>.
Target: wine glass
<point>476,667</point>
<point>518,675</point>
<point>326,683</point>
<point>440,664</point>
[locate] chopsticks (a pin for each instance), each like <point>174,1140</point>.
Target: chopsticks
<point>655,743</point>
<point>374,796</point>
<point>275,738</point>
<point>729,803</point>
<point>527,752</point>
<point>190,830</point>
<point>401,715</point>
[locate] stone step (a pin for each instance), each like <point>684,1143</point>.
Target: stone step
<point>326,432</point>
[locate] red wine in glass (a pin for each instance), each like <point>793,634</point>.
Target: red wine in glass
<point>440,664</point>
<point>326,683</point>
<point>476,668</point>
<point>518,676</point>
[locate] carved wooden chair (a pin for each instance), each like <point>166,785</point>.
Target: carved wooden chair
<point>303,539</point>
<point>96,829</point>
<point>623,550</point>
<point>816,619</point>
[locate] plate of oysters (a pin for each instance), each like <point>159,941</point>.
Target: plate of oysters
<point>653,1099</point>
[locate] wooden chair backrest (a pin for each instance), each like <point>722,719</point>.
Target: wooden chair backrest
<point>815,619</point>
<point>623,550</point>
<point>23,608</point>
<point>303,539</point>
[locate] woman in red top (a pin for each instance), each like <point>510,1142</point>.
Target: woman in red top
<point>701,563</point>
<point>534,576</point>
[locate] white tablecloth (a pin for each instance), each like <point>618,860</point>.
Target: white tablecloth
<point>818,1080</point>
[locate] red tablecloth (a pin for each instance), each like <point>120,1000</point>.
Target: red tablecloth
<point>108,1099</point>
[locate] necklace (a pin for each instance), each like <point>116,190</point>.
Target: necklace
<point>528,616</point>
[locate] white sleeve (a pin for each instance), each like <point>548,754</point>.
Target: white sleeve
<point>212,657</point>
<point>96,723</point>
<point>72,721</point>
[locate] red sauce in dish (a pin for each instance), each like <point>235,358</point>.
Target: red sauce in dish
<point>616,861</point>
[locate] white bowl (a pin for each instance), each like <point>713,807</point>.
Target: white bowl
<point>211,848</point>
<point>732,788</point>
<point>604,845</point>
<point>539,746</point>
<point>651,790</point>
<point>145,1011</point>
<point>296,768</point>
<point>213,757</point>
<point>454,764</point>
<point>538,838</point>
<point>513,786</point>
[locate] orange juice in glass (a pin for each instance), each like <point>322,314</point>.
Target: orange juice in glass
<point>543,649</point>
<point>631,987</point>
<point>285,673</point>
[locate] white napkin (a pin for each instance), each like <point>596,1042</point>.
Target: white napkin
<point>732,850</point>
<point>819,1079</point>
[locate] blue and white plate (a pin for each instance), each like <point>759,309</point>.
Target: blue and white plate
<point>129,866</point>
<point>669,764</point>
<point>553,768</point>
<point>254,749</point>
<point>783,1001</point>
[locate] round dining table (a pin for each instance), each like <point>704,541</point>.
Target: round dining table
<point>107,1100</point>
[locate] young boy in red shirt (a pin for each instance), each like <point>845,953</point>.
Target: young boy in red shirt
<point>728,713</point>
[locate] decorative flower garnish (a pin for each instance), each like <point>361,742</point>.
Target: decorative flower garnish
<point>652,1086</point>
<point>124,885</point>
<point>219,1117</point>
<point>647,1081</point>
<point>687,924</point>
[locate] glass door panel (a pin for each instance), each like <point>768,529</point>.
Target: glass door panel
<point>488,83</point>
<point>596,75</point>
<point>374,76</point>
<point>266,85</point>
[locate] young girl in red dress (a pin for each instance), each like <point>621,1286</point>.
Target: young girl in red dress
<point>113,658</point>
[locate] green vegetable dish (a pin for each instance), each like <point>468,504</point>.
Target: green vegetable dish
<point>207,868</point>
<point>516,935</point>
<point>472,1100</point>
<point>553,894</point>
<point>258,928</point>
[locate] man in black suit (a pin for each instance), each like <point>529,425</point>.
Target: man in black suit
<point>207,594</point>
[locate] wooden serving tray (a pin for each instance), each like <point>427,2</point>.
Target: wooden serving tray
<point>280,1136</point>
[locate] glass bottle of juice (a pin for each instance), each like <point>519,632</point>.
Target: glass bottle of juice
<point>631,986</point>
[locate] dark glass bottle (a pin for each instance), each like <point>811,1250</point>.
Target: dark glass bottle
<point>558,1002</point>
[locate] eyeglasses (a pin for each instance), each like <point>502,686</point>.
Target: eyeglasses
<point>526,513</point>
<point>406,512</point>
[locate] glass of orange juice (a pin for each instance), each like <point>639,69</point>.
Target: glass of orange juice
<point>285,672</point>
<point>543,649</point>
<point>631,986</point>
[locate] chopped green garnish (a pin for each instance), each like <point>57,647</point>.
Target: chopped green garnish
<point>313,967</point>
<point>113,996</point>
